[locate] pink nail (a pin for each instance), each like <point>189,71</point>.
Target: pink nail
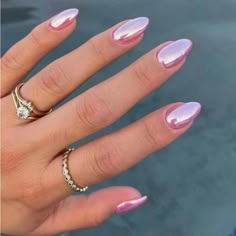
<point>174,53</point>
<point>183,115</point>
<point>131,29</point>
<point>130,205</point>
<point>63,19</point>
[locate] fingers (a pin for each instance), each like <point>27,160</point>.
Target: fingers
<point>21,58</point>
<point>106,102</point>
<point>78,212</point>
<point>116,152</point>
<point>62,76</point>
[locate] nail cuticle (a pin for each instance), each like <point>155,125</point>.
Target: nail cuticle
<point>131,39</point>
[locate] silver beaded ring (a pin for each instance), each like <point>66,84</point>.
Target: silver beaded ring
<point>66,173</point>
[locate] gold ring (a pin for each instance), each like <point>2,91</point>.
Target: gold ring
<point>24,108</point>
<point>66,173</point>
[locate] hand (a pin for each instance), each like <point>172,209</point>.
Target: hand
<point>35,195</point>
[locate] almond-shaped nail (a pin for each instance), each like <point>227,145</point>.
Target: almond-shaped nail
<point>63,19</point>
<point>130,205</point>
<point>174,53</point>
<point>181,116</point>
<point>131,29</point>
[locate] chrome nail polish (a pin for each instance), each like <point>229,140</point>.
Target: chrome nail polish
<point>64,18</point>
<point>183,115</point>
<point>131,29</point>
<point>174,53</point>
<point>130,205</point>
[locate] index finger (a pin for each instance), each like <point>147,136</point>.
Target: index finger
<point>21,57</point>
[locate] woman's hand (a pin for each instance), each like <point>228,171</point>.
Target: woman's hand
<point>35,195</point>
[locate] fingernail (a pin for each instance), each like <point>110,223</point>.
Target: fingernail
<point>130,205</point>
<point>63,19</point>
<point>174,53</point>
<point>131,29</point>
<point>183,115</point>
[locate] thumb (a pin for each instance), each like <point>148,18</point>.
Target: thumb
<point>76,212</point>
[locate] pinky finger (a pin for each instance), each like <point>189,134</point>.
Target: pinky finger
<point>24,55</point>
<point>76,212</point>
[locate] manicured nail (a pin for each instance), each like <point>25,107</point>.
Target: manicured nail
<point>63,19</point>
<point>131,29</point>
<point>130,205</point>
<point>183,115</point>
<point>174,53</point>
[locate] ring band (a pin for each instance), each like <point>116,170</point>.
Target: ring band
<point>66,173</point>
<point>24,108</point>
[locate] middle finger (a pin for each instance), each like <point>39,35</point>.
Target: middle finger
<point>102,104</point>
<point>62,76</point>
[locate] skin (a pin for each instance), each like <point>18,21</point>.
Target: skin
<point>35,198</point>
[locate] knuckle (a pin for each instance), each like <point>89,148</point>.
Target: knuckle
<point>10,157</point>
<point>54,80</point>
<point>94,220</point>
<point>98,49</point>
<point>36,37</point>
<point>91,217</point>
<point>105,162</point>
<point>151,134</point>
<point>31,191</point>
<point>10,61</point>
<point>143,74</point>
<point>93,111</point>
<point>8,160</point>
<point>14,171</point>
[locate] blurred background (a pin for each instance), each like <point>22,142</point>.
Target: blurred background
<point>191,184</point>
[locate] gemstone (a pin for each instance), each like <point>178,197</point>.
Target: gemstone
<point>23,112</point>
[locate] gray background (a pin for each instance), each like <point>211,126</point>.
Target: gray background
<point>191,183</point>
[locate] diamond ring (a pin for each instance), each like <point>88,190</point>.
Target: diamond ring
<point>25,109</point>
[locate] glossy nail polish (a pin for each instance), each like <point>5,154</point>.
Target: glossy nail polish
<point>174,53</point>
<point>63,19</point>
<point>131,29</point>
<point>183,115</point>
<point>130,205</point>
